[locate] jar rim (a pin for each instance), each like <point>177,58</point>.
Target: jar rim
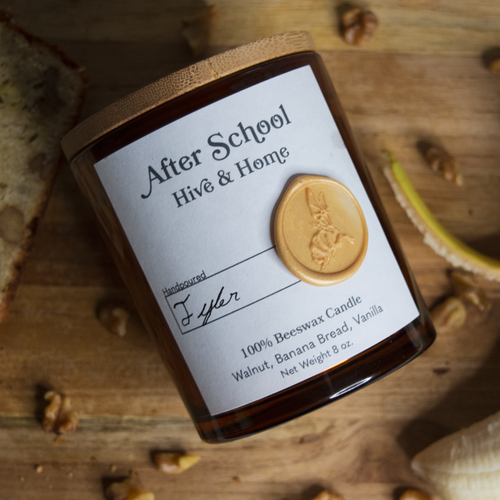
<point>181,82</point>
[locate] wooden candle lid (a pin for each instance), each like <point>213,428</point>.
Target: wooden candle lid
<point>181,82</point>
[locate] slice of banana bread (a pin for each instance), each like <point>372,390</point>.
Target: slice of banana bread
<point>41,93</point>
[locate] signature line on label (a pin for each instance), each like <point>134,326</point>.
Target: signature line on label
<point>236,310</point>
<point>226,269</point>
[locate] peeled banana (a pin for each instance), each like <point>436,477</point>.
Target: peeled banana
<point>436,236</point>
<point>464,465</point>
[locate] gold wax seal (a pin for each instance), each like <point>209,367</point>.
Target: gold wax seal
<point>320,231</point>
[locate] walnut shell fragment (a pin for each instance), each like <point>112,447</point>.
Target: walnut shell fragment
<point>129,489</point>
<point>175,463</point>
<point>197,29</point>
<point>59,415</point>
<point>358,26</point>
<point>444,164</point>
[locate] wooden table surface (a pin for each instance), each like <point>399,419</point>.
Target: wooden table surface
<point>422,78</point>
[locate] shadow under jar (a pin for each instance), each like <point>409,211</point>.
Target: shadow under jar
<point>186,177</point>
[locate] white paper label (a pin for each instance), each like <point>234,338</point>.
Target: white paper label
<point>196,200</point>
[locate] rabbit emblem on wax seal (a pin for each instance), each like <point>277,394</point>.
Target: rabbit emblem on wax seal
<point>325,242</point>
<point>320,231</point>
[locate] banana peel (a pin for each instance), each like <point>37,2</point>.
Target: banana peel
<point>464,465</point>
<point>455,251</point>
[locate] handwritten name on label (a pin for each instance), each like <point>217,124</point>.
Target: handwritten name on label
<point>208,307</point>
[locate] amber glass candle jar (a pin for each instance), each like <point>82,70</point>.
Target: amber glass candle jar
<point>243,219</point>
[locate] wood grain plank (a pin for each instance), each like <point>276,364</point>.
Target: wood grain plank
<point>440,27</point>
<point>421,78</point>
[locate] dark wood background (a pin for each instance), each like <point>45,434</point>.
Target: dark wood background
<point>422,78</point>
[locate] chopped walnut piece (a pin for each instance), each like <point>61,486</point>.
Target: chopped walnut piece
<point>197,29</point>
<point>449,315</point>
<point>465,287</point>
<point>328,495</point>
<point>494,67</point>
<point>175,463</point>
<point>59,415</point>
<point>358,26</point>
<point>440,161</point>
<point>12,226</point>
<point>414,495</point>
<point>129,489</point>
<point>114,316</point>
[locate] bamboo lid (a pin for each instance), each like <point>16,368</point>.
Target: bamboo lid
<point>181,82</point>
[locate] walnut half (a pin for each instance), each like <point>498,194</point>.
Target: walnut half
<point>114,317</point>
<point>59,415</point>
<point>494,67</point>
<point>358,26</point>
<point>449,315</point>
<point>443,163</point>
<point>327,495</point>
<point>175,463</point>
<point>129,489</point>
<point>465,287</point>
<point>414,495</point>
